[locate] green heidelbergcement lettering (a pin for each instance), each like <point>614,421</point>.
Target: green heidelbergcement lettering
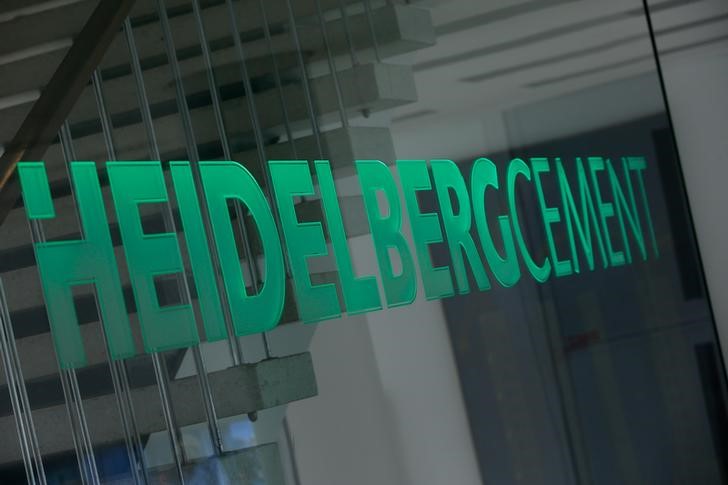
<point>505,268</point>
<point>361,294</point>
<point>606,210</point>
<point>91,260</point>
<point>374,176</point>
<point>426,229</point>
<point>551,215</point>
<point>258,309</point>
<point>203,270</point>
<point>584,222</point>
<point>639,165</point>
<point>626,210</point>
<point>515,168</point>
<point>303,240</point>
<point>150,255</point>
<point>448,178</point>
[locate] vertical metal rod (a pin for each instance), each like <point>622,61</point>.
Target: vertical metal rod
<point>83,423</point>
<point>38,236</point>
<point>22,436</point>
<point>291,445</point>
<point>372,30</point>
<point>137,469</point>
<point>332,65</point>
<point>286,116</point>
<point>210,412</point>
<point>161,376</point>
<point>70,155</point>
<point>19,397</point>
<point>250,97</point>
<point>19,425</point>
<point>78,446</point>
<point>141,91</point>
<point>227,153</point>
<point>116,376</point>
<point>106,125</point>
<point>257,132</point>
<point>30,426</point>
<point>19,394</point>
<point>138,445</point>
<point>278,81</point>
<point>18,413</point>
<point>347,33</point>
<point>35,446</point>
<point>192,151</point>
<point>304,77</point>
<point>160,372</point>
<point>68,376</point>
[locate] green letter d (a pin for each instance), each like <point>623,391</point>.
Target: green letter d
<point>251,312</point>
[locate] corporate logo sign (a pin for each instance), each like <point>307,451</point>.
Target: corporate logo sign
<point>592,193</point>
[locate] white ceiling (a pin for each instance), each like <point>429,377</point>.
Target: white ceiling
<point>493,56</point>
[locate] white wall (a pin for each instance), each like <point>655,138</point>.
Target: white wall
<point>342,436</point>
<point>390,408</point>
<point>424,399</point>
<point>696,83</point>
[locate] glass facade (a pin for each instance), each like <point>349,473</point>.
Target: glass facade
<point>574,342</point>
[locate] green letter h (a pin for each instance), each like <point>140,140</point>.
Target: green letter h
<point>64,264</point>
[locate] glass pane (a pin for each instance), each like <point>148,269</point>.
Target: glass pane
<point>544,313</point>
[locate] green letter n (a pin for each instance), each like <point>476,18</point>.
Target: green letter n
<point>89,260</point>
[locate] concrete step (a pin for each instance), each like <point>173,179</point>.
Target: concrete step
<point>249,16</point>
<point>398,28</point>
<point>341,146</point>
<point>26,25</point>
<point>263,385</point>
<point>35,344</point>
<point>45,390</point>
<point>393,24</point>
<point>367,87</point>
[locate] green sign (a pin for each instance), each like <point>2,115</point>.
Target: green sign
<point>594,193</point>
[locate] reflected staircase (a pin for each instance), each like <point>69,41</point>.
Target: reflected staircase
<point>310,80</point>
